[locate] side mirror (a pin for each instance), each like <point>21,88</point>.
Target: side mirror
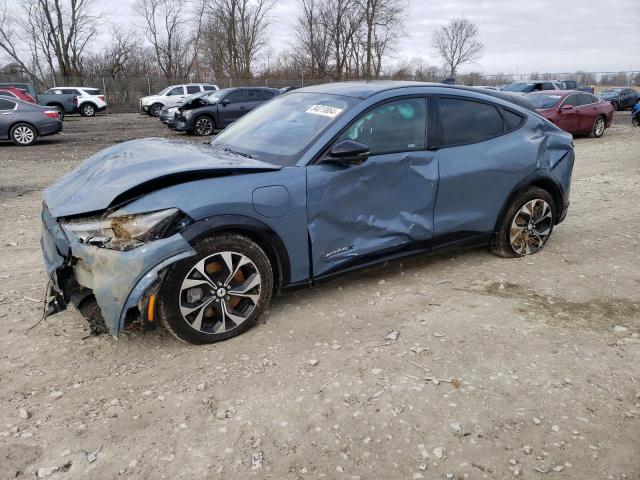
<point>348,152</point>
<point>225,102</point>
<point>566,107</point>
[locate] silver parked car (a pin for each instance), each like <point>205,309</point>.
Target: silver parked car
<point>24,122</point>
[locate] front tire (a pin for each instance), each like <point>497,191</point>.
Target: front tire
<point>155,109</point>
<point>635,121</point>
<point>23,134</point>
<point>218,293</point>
<point>526,225</point>
<point>88,110</point>
<point>598,127</point>
<point>203,126</point>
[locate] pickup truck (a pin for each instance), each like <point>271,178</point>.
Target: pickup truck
<point>573,85</point>
<point>64,103</point>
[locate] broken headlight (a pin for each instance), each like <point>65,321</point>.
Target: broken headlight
<point>121,231</point>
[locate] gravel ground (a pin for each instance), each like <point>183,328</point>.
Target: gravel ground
<point>544,353</point>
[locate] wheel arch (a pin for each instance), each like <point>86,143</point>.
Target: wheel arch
<point>539,180</point>
<point>209,115</point>
<point>259,232</point>
<point>22,122</point>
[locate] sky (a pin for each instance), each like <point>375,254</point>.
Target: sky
<point>520,36</point>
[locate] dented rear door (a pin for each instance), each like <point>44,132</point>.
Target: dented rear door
<point>358,212</point>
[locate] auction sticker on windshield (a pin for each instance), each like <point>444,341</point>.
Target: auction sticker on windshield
<point>325,110</point>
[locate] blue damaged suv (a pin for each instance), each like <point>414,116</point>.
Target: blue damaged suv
<point>317,182</point>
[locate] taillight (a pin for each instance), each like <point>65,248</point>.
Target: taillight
<point>75,100</point>
<point>51,113</point>
<point>101,97</point>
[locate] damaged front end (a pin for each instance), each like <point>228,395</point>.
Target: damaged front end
<point>115,260</point>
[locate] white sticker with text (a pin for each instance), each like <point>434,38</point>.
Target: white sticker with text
<point>325,110</point>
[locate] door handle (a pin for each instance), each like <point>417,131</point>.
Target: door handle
<point>243,108</point>
<point>7,113</point>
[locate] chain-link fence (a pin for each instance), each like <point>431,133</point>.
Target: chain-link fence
<point>123,93</point>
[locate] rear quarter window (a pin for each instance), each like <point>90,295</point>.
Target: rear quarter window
<point>92,91</point>
<point>7,104</point>
<point>467,121</point>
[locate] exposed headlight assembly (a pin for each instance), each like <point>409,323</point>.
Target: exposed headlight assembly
<point>121,231</point>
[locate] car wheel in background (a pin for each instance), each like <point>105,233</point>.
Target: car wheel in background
<point>218,293</point>
<point>598,127</point>
<point>203,126</point>
<point>615,105</point>
<point>155,109</point>
<point>526,225</point>
<point>88,110</point>
<point>23,134</point>
<point>635,121</point>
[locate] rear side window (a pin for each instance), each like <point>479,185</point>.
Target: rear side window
<point>191,89</point>
<point>254,95</point>
<point>7,104</point>
<point>267,94</point>
<point>70,91</point>
<point>465,121</point>
<point>91,91</point>
<point>547,86</point>
<point>209,88</point>
<point>512,121</point>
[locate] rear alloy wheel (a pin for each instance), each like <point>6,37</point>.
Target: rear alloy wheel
<point>598,127</point>
<point>203,126</point>
<point>526,225</point>
<point>87,110</point>
<point>24,135</point>
<point>219,293</point>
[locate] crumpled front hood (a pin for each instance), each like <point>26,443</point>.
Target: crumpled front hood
<point>131,166</point>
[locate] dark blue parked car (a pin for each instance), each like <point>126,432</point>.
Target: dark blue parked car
<point>314,183</point>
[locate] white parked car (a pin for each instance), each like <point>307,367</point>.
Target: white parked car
<point>90,100</point>
<point>171,97</point>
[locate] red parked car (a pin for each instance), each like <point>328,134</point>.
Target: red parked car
<point>12,92</point>
<point>578,113</point>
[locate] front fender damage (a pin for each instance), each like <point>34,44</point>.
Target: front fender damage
<point>120,279</point>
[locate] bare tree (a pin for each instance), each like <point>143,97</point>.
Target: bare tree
<point>235,34</point>
<point>457,43</point>
<point>382,19</point>
<point>314,41</point>
<point>173,28</point>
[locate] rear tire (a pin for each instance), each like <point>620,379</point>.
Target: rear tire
<point>522,231</point>
<point>88,110</point>
<point>23,134</point>
<point>199,309</point>
<point>599,125</point>
<point>635,121</point>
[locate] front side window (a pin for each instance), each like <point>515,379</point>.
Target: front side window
<point>572,100</point>
<point>175,91</point>
<point>585,99</point>
<point>398,126</point>
<point>547,86</point>
<point>542,101</point>
<point>465,121</point>
<point>7,104</point>
<point>237,96</point>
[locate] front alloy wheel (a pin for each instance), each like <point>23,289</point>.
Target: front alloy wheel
<point>203,126</point>
<point>598,127</point>
<point>23,135</point>
<point>219,293</point>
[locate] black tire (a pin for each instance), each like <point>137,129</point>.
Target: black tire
<point>501,244</point>
<point>155,109</point>
<point>615,105</point>
<point>171,294</point>
<point>635,121</point>
<point>91,312</point>
<point>23,134</point>
<point>203,126</point>
<point>599,126</point>
<point>88,109</point>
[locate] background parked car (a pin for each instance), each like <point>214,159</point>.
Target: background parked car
<point>63,102</point>
<point>575,112</point>
<point>168,114</point>
<point>635,115</point>
<point>620,98</point>
<point>573,85</point>
<point>25,86</point>
<point>529,86</point>
<point>171,96</point>
<point>89,102</point>
<point>203,115</point>
<point>24,122</point>
<point>12,92</point>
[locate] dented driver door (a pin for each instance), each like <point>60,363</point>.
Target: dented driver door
<point>359,212</point>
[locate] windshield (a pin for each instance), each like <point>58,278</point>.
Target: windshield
<point>280,130</point>
<point>163,91</point>
<point>215,97</point>
<point>544,101</point>
<point>519,87</point>
<point>611,91</point>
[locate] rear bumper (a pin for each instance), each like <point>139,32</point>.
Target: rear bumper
<point>50,128</point>
<point>119,280</point>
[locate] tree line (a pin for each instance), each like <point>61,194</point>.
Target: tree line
<point>216,39</point>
